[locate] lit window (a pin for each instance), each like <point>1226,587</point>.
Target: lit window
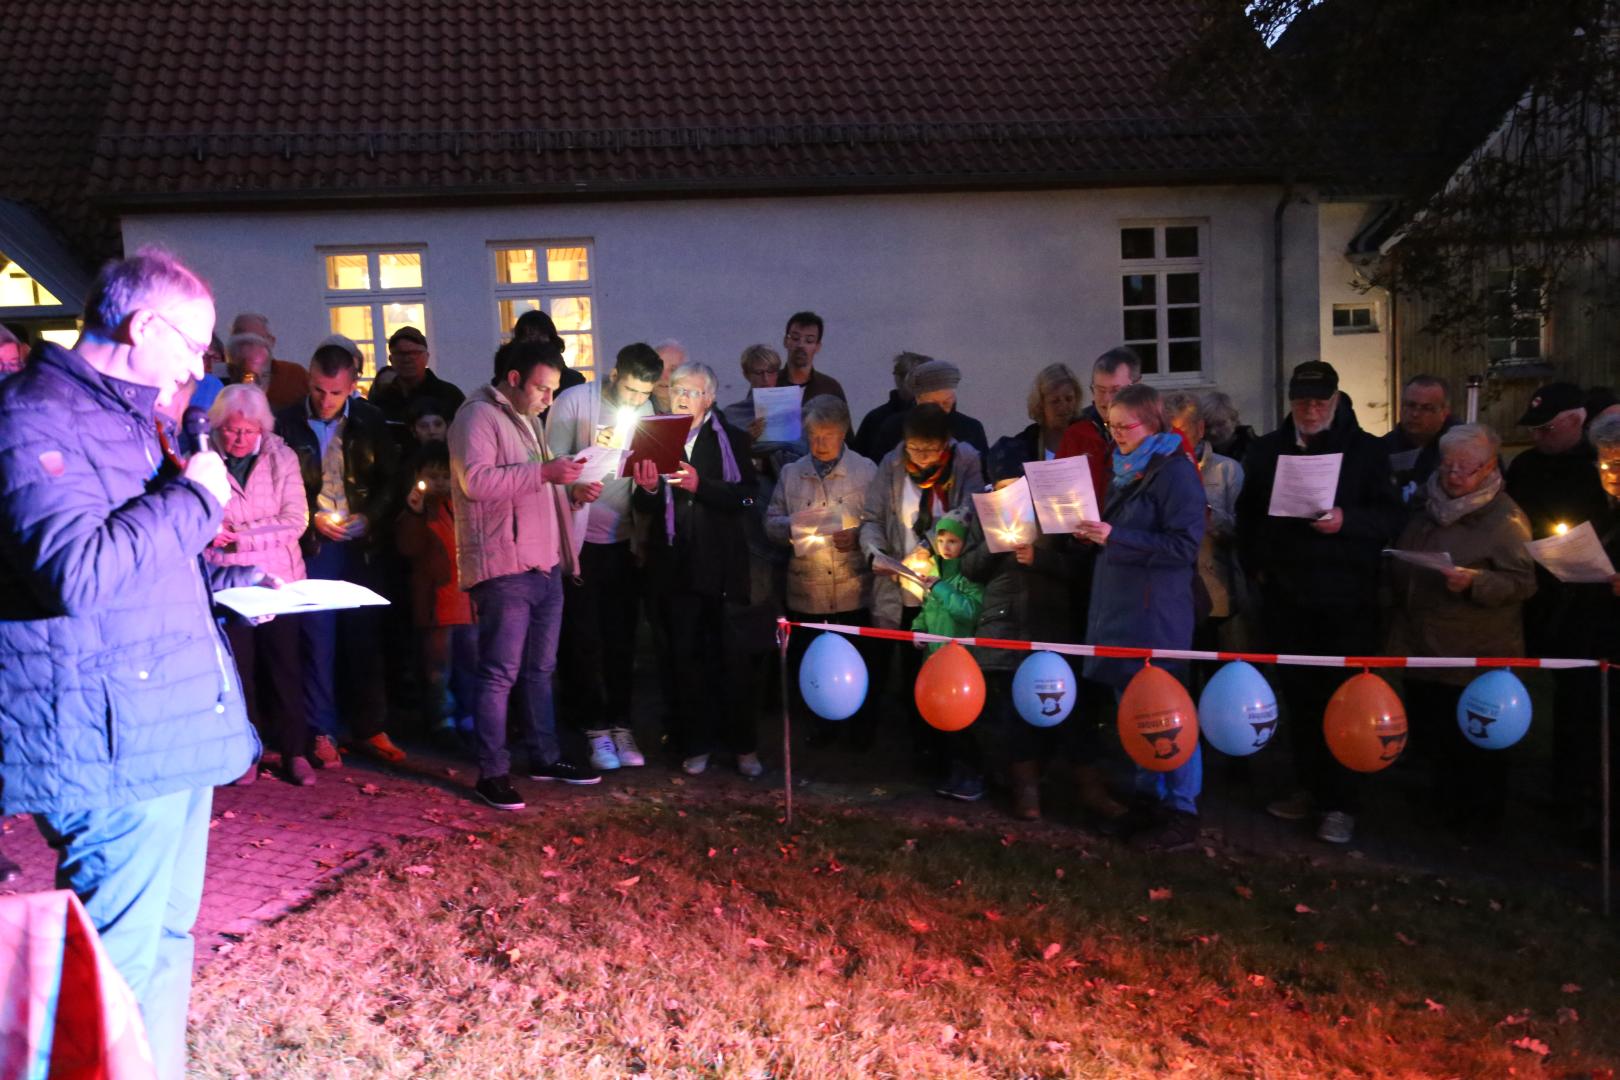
<point>558,278</point>
<point>18,289</point>
<point>1354,319</point>
<point>1513,334</point>
<point>1162,295</point>
<point>373,292</point>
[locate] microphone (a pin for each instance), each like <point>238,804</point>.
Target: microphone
<point>194,431</point>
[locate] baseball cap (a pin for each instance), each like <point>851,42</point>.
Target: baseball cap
<point>1313,379</point>
<point>1552,399</point>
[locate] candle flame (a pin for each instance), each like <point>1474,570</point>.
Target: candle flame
<point>1561,528</point>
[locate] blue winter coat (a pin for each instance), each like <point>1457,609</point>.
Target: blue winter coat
<point>116,684</point>
<point>1142,585</point>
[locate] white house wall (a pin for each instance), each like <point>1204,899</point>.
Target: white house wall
<point>1361,359</point>
<point>1001,283</point>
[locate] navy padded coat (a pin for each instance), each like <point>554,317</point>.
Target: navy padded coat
<point>116,684</point>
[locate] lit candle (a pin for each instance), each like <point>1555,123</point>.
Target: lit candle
<point>623,422</point>
<point>1561,528</point>
<point>421,485</point>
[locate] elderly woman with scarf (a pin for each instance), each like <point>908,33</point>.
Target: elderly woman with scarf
<point>1142,588</point>
<point>697,562</point>
<point>918,482</point>
<point>1475,609</point>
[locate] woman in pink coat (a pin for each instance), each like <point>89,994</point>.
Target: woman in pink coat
<point>266,515</point>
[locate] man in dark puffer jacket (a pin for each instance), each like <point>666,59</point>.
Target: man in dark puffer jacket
<point>119,706</point>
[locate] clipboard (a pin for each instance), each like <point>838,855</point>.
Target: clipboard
<point>660,438</point>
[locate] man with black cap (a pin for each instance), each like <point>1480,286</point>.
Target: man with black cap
<point>933,382</point>
<point>1318,579</point>
<point>1556,483</point>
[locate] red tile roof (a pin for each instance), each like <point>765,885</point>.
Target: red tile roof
<point>278,99</point>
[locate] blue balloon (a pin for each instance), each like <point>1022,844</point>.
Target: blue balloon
<point>1238,710</point>
<point>1494,712</point>
<point>1043,689</point>
<point>832,677</point>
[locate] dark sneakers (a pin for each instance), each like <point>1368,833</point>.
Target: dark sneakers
<point>565,772</point>
<point>1177,832</point>
<point>499,793</point>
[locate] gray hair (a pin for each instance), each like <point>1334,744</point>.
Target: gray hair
<point>1181,405</point>
<point>825,410</point>
<point>249,318</point>
<point>1220,416</point>
<point>150,278</point>
<point>1604,434</point>
<point>246,399</point>
<point>237,342</point>
<point>1471,435</point>
<point>694,370</point>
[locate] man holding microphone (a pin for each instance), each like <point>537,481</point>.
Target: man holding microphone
<point>119,707</point>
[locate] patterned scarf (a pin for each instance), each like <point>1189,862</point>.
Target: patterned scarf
<point>1445,510</point>
<point>729,472</point>
<point>1128,468</point>
<point>935,483</point>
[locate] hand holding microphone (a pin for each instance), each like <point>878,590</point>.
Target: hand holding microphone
<point>203,466</point>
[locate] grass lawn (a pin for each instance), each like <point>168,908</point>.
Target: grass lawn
<point>639,938</point>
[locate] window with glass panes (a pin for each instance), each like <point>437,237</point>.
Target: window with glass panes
<point>1513,334</point>
<point>372,292</point>
<point>1162,290</point>
<point>554,276</point>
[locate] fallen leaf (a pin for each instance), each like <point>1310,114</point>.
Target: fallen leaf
<point>1243,892</point>
<point>1434,1006</point>
<point>1257,980</point>
<point>550,852</point>
<point>992,916</point>
<point>1060,873</point>
<point>1570,988</point>
<point>1404,940</point>
<point>1051,950</point>
<point>369,789</point>
<point>227,815</point>
<point>1534,1046</point>
<point>1567,1015</point>
<point>627,882</point>
<point>420,870</point>
<point>947,1034</point>
<point>1304,909</point>
<point>1055,1047</point>
<point>564,897</point>
<point>513,954</point>
<point>758,943</point>
<point>1156,895</point>
<point>1512,1019</point>
<point>712,853</point>
<point>918,926</point>
<point>577,841</point>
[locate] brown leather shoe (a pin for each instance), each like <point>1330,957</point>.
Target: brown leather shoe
<point>1026,789</point>
<point>1092,791</point>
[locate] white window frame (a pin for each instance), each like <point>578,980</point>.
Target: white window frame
<point>547,291</point>
<point>376,297</point>
<point>1161,266</point>
<point>1369,307</point>
<point>1516,313</point>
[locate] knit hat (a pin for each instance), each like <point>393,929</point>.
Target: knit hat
<point>345,343</point>
<point>934,375</point>
<point>954,521</point>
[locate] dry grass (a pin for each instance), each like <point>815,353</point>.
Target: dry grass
<point>638,939</point>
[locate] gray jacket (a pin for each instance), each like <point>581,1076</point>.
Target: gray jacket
<point>825,580</point>
<point>881,527</point>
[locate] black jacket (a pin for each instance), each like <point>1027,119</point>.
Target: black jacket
<point>395,401</point>
<point>709,555</point>
<point>866,436</point>
<point>963,429</point>
<point>370,462</point>
<point>1554,488</point>
<point>1340,570</point>
<point>1411,475</point>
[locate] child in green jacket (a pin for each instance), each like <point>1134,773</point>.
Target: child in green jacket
<point>951,607</point>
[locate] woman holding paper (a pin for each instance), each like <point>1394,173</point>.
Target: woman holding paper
<point>816,510</point>
<point>1474,608</point>
<point>266,515</point>
<point>917,483</point>
<point>1142,588</point>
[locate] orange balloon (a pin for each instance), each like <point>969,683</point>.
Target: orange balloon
<point>950,688</point>
<point>1365,724</point>
<point>1158,725</point>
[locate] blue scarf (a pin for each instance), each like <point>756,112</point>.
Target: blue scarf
<point>824,467</point>
<point>1128,468</point>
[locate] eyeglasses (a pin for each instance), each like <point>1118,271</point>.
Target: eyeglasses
<point>1463,468</point>
<point>192,345</point>
<point>1117,428</point>
<point>686,393</point>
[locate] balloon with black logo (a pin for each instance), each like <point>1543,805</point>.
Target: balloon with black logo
<point>1494,711</point>
<point>1158,725</point>
<point>1237,711</point>
<point>1043,689</point>
<point>1365,724</point>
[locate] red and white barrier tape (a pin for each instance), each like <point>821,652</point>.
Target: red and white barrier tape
<point>1120,652</point>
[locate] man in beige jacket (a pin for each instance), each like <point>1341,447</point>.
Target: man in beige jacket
<point>515,509</point>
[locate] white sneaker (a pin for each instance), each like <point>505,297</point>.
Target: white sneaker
<point>624,744</point>
<point>603,756</point>
<point>749,765</point>
<point>1337,827</point>
<point>695,765</point>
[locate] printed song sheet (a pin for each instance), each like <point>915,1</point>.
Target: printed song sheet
<point>296,597</point>
<point>779,407</point>
<point>815,527</point>
<point>1062,493</point>
<point>1305,485</point>
<point>1577,556</point>
<point>1008,516</point>
<point>1439,561</point>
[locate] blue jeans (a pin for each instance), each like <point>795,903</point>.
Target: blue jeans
<point>519,620</point>
<point>138,870</point>
<point>1177,789</point>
